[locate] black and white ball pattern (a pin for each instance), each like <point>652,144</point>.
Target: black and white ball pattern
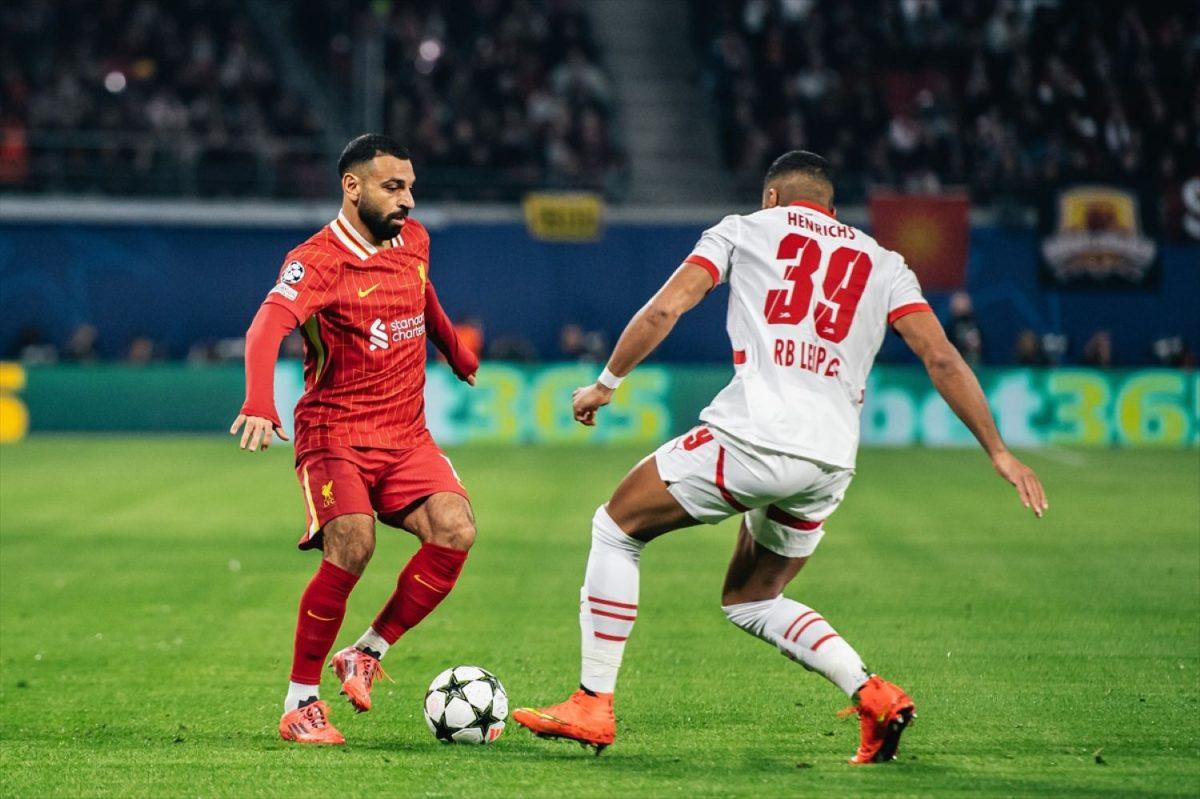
<point>466,704</point>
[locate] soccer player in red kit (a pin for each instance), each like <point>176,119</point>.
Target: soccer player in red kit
<point>359,289</point>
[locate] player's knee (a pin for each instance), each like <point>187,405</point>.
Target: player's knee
<point>349,542</point>
<point>457,534</point>
<point>751,616</point>
<point>607,533</point>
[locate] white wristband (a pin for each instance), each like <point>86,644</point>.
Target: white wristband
<point>609,380</point>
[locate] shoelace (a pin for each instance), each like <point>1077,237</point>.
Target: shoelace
<point>314,714</point>
<point>373,670</point>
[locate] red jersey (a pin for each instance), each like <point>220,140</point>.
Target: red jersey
<point>361,309</point>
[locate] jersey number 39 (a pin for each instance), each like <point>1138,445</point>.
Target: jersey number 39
<point>845,280</point>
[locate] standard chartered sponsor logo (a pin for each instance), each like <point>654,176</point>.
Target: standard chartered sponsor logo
<point>397,330</point>
<point>379,336</point>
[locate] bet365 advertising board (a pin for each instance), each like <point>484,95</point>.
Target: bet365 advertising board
<point>532,404</point>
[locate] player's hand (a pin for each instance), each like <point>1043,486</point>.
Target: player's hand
<point>470,379</point>
<point>1028,486</point>
<point>257,431</point>
<point>589,399</point>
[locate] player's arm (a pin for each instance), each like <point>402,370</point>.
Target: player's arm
<point>957,384</point>
<point>270,327</point>
<point>645,331</point>
<point>441,331</point>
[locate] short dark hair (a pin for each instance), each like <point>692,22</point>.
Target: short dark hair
<point>365,147</point>
<point>801,162</point>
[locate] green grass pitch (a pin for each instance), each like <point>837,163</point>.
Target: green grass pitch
<point>148,589</point>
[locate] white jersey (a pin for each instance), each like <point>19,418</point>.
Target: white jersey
<point>809,303</point>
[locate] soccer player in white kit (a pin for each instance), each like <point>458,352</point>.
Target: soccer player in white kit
<point>810,300</point>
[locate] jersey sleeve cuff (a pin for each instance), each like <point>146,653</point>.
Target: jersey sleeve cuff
<point>905,310</point>
<point>265,413</point>
<point>706,265</point>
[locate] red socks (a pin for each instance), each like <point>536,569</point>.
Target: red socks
<point>322,607</point>
<point>422,586</point>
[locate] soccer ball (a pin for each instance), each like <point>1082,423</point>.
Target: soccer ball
<point>466,705</point>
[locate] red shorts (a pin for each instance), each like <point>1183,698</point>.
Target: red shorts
<point>337,480</point>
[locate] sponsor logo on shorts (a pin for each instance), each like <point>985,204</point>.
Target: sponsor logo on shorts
<point>327,493</point>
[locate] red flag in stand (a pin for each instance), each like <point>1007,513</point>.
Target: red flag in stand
<point>931,231</point>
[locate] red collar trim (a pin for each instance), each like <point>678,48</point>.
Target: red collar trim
<point>816,207</point>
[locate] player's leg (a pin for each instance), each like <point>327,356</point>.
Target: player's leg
<point>445,526</point>
<point>752,598</point>
<point>342,524</point>
<point>641,509</point>
<point>421,493</point>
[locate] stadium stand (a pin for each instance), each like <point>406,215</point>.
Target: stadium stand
<point>147,97</point>
<point>1000,96</point>
<point>198,98</point>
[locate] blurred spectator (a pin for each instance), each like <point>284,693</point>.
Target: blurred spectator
<point>202,353</point>
<point>512,348</point>
<point>142,351</point>
<point>1098,350</point>
<point>998,95</point>
<point>31,347</point>
<point>1055,347</point>
<point>1173,351</point>
<point>1029,350</point>
<point>470,333</point>
<point>293,346</point>
<point>964,330</point>
<point>81,346</point>
<point>579,345</point>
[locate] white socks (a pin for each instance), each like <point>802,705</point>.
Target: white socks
<point>298,693</point>
<point>373,641</point>
<point>804,636</point>
<point>607,602</point>
<point>608,608</point>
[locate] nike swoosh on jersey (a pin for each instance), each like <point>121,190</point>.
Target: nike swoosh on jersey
<point>364,292</point>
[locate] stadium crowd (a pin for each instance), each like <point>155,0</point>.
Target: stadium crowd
<point>494,95</point>
<point>147,97</point>
<point>189,98</point>
<point>999,95</point>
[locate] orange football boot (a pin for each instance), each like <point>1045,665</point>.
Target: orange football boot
<point>584,717</point>
<point>884,710</point>
<point>357,672</point>
<point>309,725</point>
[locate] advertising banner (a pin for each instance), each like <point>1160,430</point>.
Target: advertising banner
<point>526,404</point>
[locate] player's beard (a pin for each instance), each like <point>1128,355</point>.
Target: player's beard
<point>381,224</point>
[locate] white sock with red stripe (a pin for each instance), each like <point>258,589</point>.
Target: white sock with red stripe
<point>803,635</point>
<point>607,602</point>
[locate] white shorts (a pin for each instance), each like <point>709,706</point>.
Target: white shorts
<point>786,498</point>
